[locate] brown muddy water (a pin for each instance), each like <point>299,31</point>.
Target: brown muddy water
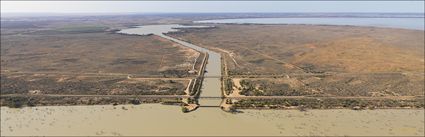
<point>157,119</point>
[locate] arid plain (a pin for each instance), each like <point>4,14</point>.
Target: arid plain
<point>81,69</point>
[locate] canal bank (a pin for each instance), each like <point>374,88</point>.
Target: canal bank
<point>211,82</point>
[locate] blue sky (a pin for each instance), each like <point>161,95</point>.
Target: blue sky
<point>209,6</point>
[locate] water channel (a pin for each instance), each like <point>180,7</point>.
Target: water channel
<point>211,85</point>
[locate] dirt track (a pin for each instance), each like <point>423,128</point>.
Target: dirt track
<point>229,97</point>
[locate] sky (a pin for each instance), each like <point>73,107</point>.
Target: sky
<point>209,6</point>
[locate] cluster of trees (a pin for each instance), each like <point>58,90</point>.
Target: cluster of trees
<point>228,86</point>
<point>196,83</point>
<point>50,85</point>
<point>175,73</point>
<point>328,103</point>
<point>18,102</point>
<point>267,88</point>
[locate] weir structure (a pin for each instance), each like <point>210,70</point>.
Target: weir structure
<point>208,81</point>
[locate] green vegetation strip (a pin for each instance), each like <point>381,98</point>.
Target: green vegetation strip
<point>329,103</point>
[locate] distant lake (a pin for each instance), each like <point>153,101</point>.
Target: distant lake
<point>405,23</point>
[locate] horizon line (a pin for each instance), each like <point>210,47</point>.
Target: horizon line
<point>29,14</point>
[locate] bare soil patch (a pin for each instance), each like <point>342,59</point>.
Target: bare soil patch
<point>280,49</point>
<point>95,53</point>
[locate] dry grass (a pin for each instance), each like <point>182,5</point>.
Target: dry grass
<point>277,49</point>
<point>366,85</point>
<point>367,61</point>
<point>94,53</point>
<point>87,85</point>
<point>91,61</point>
<point>360,54</point>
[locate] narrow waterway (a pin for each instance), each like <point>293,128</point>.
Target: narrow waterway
<point>211,86</point>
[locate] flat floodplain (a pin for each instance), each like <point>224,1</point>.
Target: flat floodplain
<point>100,53</point>
<point>89,61</point>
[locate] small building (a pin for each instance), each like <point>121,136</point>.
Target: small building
<point>192,71</point>
<point>34,91</point>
